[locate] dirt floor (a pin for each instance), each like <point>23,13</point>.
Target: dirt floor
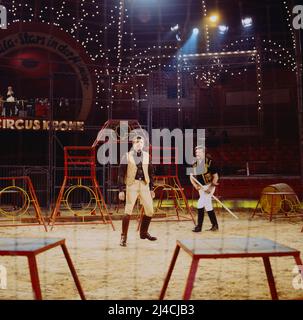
<point>108,271</point>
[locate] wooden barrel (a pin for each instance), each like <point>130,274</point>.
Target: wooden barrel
<point>284,201</point>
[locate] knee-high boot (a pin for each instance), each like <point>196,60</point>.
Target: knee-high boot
<point>198,227</point>
<point>213,220</point>
<point>144,228</point>
<point>125,225</point>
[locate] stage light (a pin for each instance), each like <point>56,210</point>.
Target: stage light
<point>191,44</point>
<point>247,22</point>
<point>195,31</point>
<point>178,37</point>
<point>214,19</point>
<point>175,28</point>
<point>223,29</point>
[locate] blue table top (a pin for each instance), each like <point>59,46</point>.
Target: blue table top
<point>26,244</point>
<point>234,246</point>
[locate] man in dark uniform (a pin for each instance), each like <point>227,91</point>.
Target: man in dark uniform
<point>207,175</point>
<point>136,172</point>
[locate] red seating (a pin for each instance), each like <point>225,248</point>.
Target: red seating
<point>267,158</point>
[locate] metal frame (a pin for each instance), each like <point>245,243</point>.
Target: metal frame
<point>33,200</point>
<point>72,162</point>
<point>293,204</point>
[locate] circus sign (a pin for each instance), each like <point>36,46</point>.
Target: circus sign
<point>38,47</point>
<point>40,125</point>
<point>50,43</point>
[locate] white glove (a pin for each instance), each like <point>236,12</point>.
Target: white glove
<point>211,188</point>
<point>121,196</point>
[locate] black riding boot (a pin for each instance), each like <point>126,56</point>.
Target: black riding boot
<point>144,228</point>
<point>198,227</point>
<point>125,224</point>
<point>213,220</point>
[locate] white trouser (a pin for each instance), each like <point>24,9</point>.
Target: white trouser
<point>205,200</point>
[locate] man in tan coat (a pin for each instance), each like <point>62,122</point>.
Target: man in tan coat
<point>136,173</point>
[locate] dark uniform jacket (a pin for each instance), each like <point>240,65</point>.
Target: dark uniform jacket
<point>204,173</point>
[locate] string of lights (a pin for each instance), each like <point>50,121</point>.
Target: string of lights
<point>289,24</point>
<point>87,26</point>
<point>120,36</point>
<point>259,82</point>
<point>204,8</point>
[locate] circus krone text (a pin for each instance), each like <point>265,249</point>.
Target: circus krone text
<point>40,125</point>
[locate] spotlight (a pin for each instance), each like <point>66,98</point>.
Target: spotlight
<point>247,22</point>
<point>213,20</point>
<point>195,31</point>
<point>223,29</point>
<point>175,28</point>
